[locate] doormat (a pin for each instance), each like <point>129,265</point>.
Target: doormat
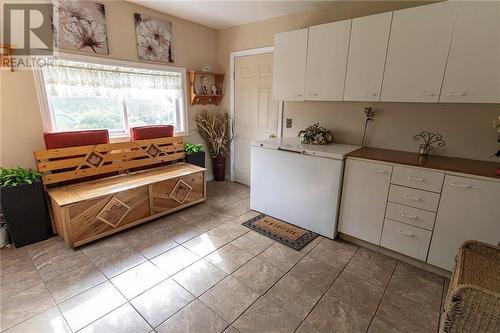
<point>285,233</point>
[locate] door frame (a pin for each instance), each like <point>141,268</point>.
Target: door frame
<point>232,57</point>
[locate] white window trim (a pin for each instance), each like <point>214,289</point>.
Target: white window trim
<point>47,116</point>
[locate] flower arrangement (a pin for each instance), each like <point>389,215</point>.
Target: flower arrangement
<point>315,135</point>
<point>213,126</point>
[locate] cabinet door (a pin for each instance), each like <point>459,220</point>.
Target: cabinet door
<point>366,62</point>
<point>418,49</point>
<point>364,197</point>
<point>327,49</point>
<point>468,210</point>
<point>473,69</point>
<point>289,69</point>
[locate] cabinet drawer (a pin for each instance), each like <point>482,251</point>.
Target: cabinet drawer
<point>418,178</point>
<point>409,215</point>
<point>406,239</point>
<point>414,198</point>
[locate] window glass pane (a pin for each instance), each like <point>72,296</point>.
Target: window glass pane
<point>80,113</point>
<point>142,111</point>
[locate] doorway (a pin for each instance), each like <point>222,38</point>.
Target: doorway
<point>255,113</point>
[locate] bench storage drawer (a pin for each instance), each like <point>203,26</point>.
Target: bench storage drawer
<point>172,193</point>
<point>406,239</point>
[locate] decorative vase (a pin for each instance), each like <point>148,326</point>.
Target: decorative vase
<point>219,167</point>
<point>196,158</point>
<point>25,212</point>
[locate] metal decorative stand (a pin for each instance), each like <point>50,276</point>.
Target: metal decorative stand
<point>429,139</point>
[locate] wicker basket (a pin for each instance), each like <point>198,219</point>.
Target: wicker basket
<point>473,300</point>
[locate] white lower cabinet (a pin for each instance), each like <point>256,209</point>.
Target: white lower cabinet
<point>406,239</point>
<point>364,197</point>
<point>469,209</point>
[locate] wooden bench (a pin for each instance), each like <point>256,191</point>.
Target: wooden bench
<point>91,209</point>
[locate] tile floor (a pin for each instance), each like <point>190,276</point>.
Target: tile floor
<point>199,270</point>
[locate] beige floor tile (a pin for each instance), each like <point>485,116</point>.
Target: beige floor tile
<point>46,248</point>
<point>24,305</point>
<point>306,328</point>
<point>104,247</point>
<point>238,208</point>
<point>160,302</point>
<point>138,279</point>
<point>406,315</point>
<point>245,217</point>
<point>378,326</point>
<point>306,249</point>
<point>204,244</point>
<point>18,277</point>
<point>417,285</point>
<point>229,298</point>
<point>294,295</point>
<point>333,314</point>
<point>199,277</point>
<point>118,262</point>
<point>229,258</point>
<point>228,232</point>
<point>362,294</point>
<point>149,241</point>
<point>266,316</point>
<point>258,275</point>
<point>122,320</point>
<point>253,242</point>
<point>380,258</point>
<point>281,256</point>
<point>194,318</point>
<point>315,272</point>
<point>370,270</point>
<point>231,329</point>
<point>211,220</point>
<point>50,321</point>
<point>333,252</point>
<point>90,305</point>
<point>53,264</point>
<point>174,260</point>
<point>74,282</point>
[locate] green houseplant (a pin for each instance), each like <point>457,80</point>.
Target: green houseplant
<point>195,154</point>
<point>213,127</point>
<point>22,202</point>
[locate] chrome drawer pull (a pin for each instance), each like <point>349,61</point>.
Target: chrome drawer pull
<point>416,179</point>
<point>460,185</point>
<point>411,197</point>
<point>409,216</point>
<point>405,233</point>
<point>376,170</point>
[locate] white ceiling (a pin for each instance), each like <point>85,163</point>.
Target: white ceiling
<point>224,14</point>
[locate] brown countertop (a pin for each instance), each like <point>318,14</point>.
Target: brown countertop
<point>461,165</point>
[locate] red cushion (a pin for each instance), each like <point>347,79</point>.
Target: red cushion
<point>151,132</point>
<point>75,138</point>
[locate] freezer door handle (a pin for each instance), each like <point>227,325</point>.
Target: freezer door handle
<point>292,151</point>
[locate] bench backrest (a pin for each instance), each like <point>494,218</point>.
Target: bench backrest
<point>65,164</point>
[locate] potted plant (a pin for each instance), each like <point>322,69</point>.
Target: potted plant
<point>213,126</point>
<point>22,201</point>
<point>315,135</point>
<point>195,154</point>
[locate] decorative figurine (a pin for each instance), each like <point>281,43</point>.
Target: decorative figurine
<point>214,89</point>
<point>429,139</point>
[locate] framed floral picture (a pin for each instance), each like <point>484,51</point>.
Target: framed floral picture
<point>154,38</point>
<point>80,25</point>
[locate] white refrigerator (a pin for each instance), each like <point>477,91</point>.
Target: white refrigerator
<point>299,184</point>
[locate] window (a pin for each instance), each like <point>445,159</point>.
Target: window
<point>85,95</point>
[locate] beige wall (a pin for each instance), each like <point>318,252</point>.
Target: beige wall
<point>21,125</point>
<point>467,128</point>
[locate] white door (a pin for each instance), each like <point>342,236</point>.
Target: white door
<point>256,114</point>
<point>364,197</point>
<point>468,210</point>
<point>366,62</point>
<point>290,51</point>
<point>327,49</point>
<point>418,48</point>
<point>473,70</point>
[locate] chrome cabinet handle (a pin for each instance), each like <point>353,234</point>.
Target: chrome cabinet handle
<point>411,197</point>
<point>460,185</point>
<point>313,94</point>
<point>377,170</point>
<point>416,179</point>
<point>425,94</point>
<point>407,234</point>
<point>370,93</point>
<point>413,217</point>
<point>297,95</point>
<point>456,93</point>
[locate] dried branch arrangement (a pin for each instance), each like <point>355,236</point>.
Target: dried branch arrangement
<point>213,127</point>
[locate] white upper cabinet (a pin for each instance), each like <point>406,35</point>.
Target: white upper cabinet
<point>417,53</point>
<point>327,61</point>
<point>367,51</point>
<point>473,69</point>
<point>289,65</point>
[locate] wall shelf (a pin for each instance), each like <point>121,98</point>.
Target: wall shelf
<point>200,87</point>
